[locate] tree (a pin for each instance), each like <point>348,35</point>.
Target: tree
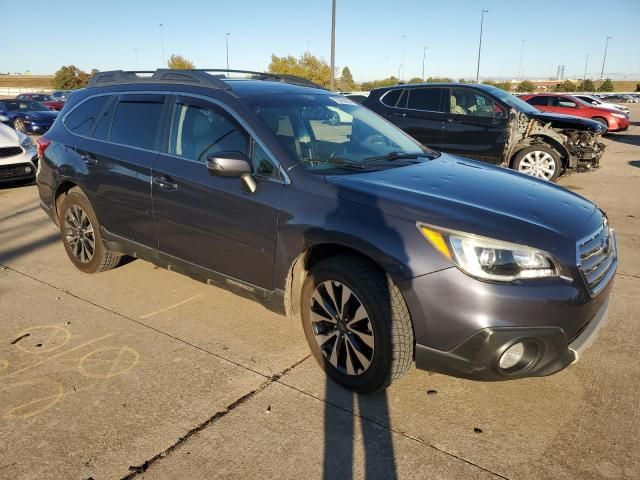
<point>385,82</point>
<point>69,77</point>
<point>526,86</point>
<point>638,87</point>
<point>178,62</point>
<point>607,86</point>
<point>306,66</point>
<point>345,82</point>
<point>587,86</point>
<point>439,80</point>
<point>566,86</point>
<point>502,85</point>
<point>415,80</point>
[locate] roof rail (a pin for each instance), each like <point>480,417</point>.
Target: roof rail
<point>161,75</point>
<point>200,76</point>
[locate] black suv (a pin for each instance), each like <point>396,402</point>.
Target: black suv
<point>317,207</point>
<point>488,124</point>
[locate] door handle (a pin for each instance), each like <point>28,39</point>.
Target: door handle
<point>451,120</point>
<point>89,159</point>
<point>165,183</point>
<point>396,115</point>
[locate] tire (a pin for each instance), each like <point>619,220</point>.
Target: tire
<point>601,121</point>
<point>381,334</point>
<point>75,218</point>
<point>19,126</point>
<point>540,161</point>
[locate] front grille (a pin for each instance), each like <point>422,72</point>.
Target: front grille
<point>597,258</point>
<point>9,151</point>
<point>16,171</point>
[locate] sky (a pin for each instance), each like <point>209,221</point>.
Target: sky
<point>369,35</point>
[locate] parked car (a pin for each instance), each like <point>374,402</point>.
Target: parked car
<point>48,100</point>
<point>619,98</point>
<point>27,116</point>
<point>611,118</point>
<point>18,159</point>
<point>600,103</point>
<point>61,95</point>
<point>488,124</point>
<point>386,250</point>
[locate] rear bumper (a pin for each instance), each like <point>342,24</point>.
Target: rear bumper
<point>478,356</point>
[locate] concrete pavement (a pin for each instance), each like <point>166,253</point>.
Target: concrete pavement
<point>141,372</point>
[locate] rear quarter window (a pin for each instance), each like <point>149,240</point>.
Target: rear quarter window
<point>390,99</point>
<point>82,118</point>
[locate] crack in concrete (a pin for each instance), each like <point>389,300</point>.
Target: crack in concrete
<point>138,469</point>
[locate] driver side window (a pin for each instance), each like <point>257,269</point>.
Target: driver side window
<point>199,130</point>
<point>467,102</point>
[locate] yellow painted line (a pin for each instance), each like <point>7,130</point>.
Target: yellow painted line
<point>171,306</point>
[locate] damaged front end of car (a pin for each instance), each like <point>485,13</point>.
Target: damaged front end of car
<point>579,148</point>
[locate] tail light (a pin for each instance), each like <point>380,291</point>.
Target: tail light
<point>41,146</point>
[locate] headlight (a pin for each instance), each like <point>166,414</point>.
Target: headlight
<point>619,115</point>
<point>26,143</point>
<point>490,259</point>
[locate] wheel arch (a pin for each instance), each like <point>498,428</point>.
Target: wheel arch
<point>565,156</point>
<point>61,191</point>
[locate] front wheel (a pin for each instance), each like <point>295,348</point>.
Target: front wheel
<point>19,126</point>
<point>539,161</point>
<point>356,323</point>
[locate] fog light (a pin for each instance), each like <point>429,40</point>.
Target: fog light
<point>27,169</point>
<point>512,356</point>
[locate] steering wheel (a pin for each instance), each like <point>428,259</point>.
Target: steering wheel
<point>376,139</point>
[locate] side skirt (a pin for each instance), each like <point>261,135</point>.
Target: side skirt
<point>271,299</point>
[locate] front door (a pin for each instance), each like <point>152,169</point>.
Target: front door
<point>475,126</point>
<point>208,220</point>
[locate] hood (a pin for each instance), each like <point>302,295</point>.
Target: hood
<point>8,136</point>
<point>475,197</point>
<point>43,115</point>
<point>559,120</point>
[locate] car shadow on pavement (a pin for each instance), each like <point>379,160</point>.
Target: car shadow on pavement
<point>13,253</point>
<point>635,163</point>
<point>627,138</point>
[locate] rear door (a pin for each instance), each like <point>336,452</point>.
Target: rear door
<point>208,220</point>
<point>475,125</point>
<point>118,153</point>
<point>420,113</point>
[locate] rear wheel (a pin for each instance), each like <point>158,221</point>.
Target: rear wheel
<point>80,232</point>
<point>356,323</point>
<point>539,161</point>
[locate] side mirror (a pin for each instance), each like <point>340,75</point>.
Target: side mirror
<point>232,164</point>
<point>3,119</point>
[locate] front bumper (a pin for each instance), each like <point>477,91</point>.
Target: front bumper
<point>36,127</point>
<point>19,167</point>
<point>478,356</point>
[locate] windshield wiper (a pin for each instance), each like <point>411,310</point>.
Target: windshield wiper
<point>392,156</point>
<point>338,161</point>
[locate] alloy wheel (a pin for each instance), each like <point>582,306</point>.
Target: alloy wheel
<point>79,233</point>
<point>342,328</point>
<point>19,126</point>
<point>538,164</point>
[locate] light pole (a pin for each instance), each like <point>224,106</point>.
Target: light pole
<point>226,37</point>
<point>606,45</point>
<point>162,44</point>
<point>424,55</point>
<point>135,50</point>
<point>520,65</point>
<point>480,44</point>
<point>401,74</point>
<point>332,78</point>
<point>586,62</point>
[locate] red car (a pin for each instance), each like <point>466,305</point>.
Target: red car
<point>44,98</point>
<point>570,105</point>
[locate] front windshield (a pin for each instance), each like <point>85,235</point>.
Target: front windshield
<point>25,106</point>
<point>513,101</point>
<point>324,131</point>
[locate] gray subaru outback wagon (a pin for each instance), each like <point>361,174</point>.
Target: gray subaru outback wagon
<point>389,253</point>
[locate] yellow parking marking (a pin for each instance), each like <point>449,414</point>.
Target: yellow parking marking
<point>171,306</point>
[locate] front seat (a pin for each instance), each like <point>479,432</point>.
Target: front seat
<point>456,108</point>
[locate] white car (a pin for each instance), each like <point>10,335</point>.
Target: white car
<point>18,159</point>
<point>600,103</point>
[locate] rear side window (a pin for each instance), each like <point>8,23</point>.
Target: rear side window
<point>391,98</point>
<point>541,100</point>
<point>136,120</point>
<point>429,99</point>
<point>82,119</point>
